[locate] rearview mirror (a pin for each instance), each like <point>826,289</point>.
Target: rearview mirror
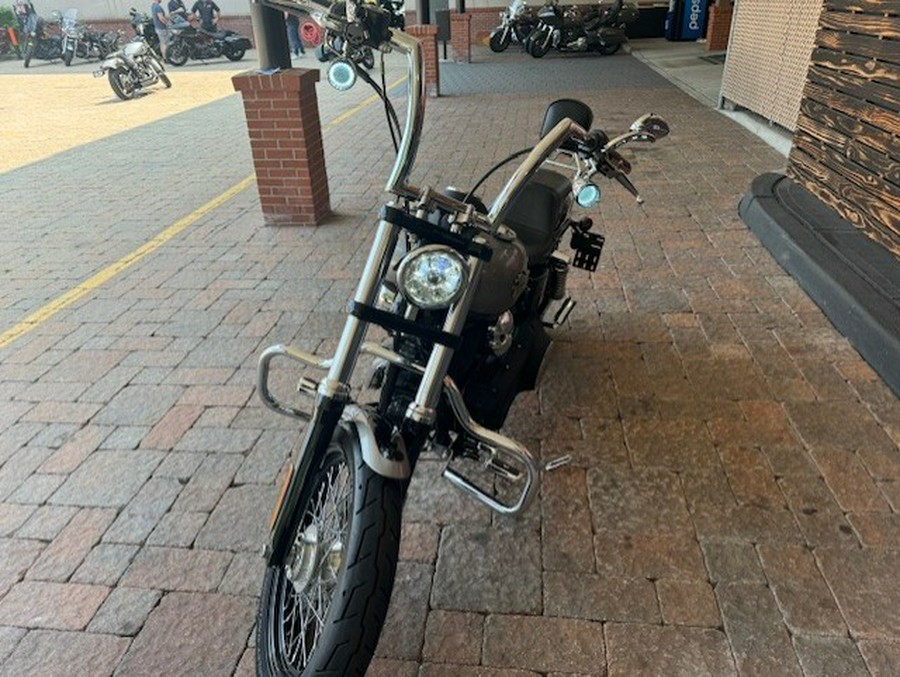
<point>653,126</point>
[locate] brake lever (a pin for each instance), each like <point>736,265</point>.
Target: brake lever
<point>626,182</point>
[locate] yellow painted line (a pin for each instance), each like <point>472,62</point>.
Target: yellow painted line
<point>50,309</point>
<point>353,111</point>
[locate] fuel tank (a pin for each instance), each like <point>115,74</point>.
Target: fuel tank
<point>504,277</point>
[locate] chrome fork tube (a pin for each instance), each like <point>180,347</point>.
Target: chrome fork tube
<point>338,378</point>
<point>422,410</point>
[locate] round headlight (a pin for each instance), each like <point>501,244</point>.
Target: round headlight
<point>432,277</point>
<point>341,74</point>
<point>587,195</point>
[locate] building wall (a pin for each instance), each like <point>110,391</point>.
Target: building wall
<point>847,145</point>
<point>768,56</point>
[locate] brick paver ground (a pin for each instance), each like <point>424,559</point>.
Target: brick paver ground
<point>732,505</point>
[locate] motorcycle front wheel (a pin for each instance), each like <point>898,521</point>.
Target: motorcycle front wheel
<point>609,50</point>
<point>163,78</point>
<point>121,83</point>
<point>234,54</point>
<point>321,611</point>
<point>29,54</point>
<point>67,57</point>
<point>537,45</point>
<point>177,54</point>
<point>499,40</point>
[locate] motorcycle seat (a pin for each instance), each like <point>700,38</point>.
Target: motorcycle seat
<point>536,214</point>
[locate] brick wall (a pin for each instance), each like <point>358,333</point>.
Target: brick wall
<point>428,35</point>
<point>484,20</point>
<point>719,28</point>
<point>460,36</point>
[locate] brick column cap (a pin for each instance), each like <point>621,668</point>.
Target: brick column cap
<point>290,80</point>
<point>422,29</point>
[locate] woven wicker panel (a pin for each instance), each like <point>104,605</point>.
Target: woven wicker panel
<point>797,50</point>
<point>768,56</point>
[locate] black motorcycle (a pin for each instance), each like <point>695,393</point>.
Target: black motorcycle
<point>465,294</point>
<point>597,29</point>
<point>99,45</point>
<point>43,43</point>
<point>188,42</point>
<point>143,28</point>
<point>516,23</point>
<point>83,41</point>
<point>336,47</point>
<point>395,8</point>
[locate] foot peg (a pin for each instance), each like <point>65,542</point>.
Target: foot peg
<point>560,314</point>
<point>555,463</point>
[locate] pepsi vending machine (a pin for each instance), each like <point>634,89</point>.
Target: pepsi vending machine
<point>686,19</point>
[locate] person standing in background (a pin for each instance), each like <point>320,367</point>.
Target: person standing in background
<point>178,16</point>
<point>26,16</point>
<point>209,13</point>
<point>161,25</point>
<point>292,21</point>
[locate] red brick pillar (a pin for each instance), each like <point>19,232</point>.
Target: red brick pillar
<point>719,28</point>
<point>282,114</point>
<point>428,35</point>
<point>461,36</point>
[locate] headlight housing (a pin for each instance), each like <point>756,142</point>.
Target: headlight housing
<point>432,277</point>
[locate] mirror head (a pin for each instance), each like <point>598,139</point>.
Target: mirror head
<point>653,126</point>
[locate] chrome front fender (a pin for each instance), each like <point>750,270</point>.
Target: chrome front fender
<point>357,419</point>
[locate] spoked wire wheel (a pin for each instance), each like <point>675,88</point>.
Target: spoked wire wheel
<point>322,609</point>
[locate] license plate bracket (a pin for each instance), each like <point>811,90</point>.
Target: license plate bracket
<point>588,247</point>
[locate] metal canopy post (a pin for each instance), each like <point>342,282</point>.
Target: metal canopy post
<point>270,35</point>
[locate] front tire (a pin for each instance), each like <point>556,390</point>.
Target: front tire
<point>609,50</point>
<point>234,54</point>
<point>537,45</point>
<point>163,78</point>
<point>499,41</point>
<point>67,57</point>
<point>322,610</point>
<point>29,54</point>
<point>177,54</point>
<point>121,83</point>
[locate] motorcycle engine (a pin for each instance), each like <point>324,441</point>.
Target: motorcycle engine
<point>501,334</point>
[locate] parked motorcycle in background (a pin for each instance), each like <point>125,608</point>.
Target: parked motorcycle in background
<point>199,44</point>
<point>466,294</point>
<point>72,34</point>
<point>598,29</point>
<point>395,8</point>
<point>133,69</point>
<point>143,28</point>
<point>97,45</point>
<point>516,23</point>
<point>44,42</point>
<point>9,43</point>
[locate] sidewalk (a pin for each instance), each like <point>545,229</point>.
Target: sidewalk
<point>732,503</point>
